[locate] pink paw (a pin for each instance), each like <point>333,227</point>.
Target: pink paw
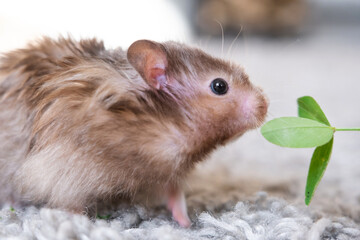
<point>177,206</point>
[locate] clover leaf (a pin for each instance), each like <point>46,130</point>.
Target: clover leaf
<point>310,129</point>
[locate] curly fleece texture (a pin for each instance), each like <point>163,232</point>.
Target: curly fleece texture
<point>260,218</point>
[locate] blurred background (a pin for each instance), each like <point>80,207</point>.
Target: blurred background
<point>291,48</point>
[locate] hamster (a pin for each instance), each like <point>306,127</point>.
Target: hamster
<point>80,124</point>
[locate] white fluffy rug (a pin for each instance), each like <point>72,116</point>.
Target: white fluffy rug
<point>262,217</point>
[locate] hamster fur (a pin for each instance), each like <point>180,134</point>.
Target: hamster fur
<point>80,124</point>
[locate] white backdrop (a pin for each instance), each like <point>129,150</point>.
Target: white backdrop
<point>118,23</point>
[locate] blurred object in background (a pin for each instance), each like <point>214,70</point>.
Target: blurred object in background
<point>337,15</point>
<point>270,17</point>
<point>118,23</point>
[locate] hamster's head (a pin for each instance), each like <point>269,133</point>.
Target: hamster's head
<point>216,97</point>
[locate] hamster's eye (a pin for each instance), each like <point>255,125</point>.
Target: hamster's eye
<point>219,86</point>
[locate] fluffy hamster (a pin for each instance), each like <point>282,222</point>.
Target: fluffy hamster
<point>80,124</point>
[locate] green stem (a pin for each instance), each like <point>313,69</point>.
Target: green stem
<point>347,129</point>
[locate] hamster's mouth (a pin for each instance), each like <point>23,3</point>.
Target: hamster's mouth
<point>261,114</point>
<point>251,123</point>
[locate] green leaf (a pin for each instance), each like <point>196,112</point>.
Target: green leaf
<point>319,162</point>
<point>309,108</point>
<point>297,132</point>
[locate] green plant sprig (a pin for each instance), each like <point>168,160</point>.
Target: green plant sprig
<point>310,129</point>
<point>347,129</point>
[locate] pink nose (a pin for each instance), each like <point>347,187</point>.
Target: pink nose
<point>254,106</point>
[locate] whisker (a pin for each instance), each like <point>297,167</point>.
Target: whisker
<point>233,42</point>
<point>269,114</point>
<point>291,44</point>
<point>222,38</point>
<point>245,44</point>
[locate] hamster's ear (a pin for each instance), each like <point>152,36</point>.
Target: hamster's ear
<point>149,60</point>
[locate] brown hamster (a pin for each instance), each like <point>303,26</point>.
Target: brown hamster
<point>81,124</point>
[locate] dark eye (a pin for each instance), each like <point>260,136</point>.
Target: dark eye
<point>219,86</point>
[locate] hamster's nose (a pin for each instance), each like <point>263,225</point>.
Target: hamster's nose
<point>262,105</point>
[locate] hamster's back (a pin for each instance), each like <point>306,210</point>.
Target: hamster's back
<point>20,74</point>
